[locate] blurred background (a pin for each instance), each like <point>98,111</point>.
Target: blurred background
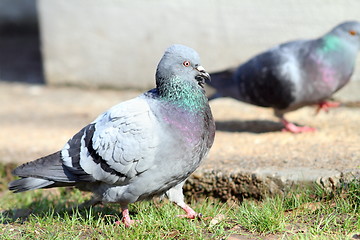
<point>20,53</point>
<point>118,43</point>
<point>47,46</point>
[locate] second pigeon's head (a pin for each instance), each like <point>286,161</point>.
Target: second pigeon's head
<point>349,31</point>
<point>183,63</point>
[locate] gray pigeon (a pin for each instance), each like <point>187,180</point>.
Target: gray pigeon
<point>140,148</point>
<point>294,74</point>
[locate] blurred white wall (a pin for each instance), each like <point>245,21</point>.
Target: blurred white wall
<point>118,43</point>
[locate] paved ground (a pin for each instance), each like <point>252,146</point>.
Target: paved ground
<point>250,156</point>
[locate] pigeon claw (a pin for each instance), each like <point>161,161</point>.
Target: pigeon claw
<point>326,105</point>
<point>190,213</point>
<point>188,216</point>
<point>291,127</point>
<point>126,219</point>
<point>298,129</point>
<point>127,223</point>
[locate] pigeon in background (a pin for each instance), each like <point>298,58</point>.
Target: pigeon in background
<point>294,74</point>
<point>140,148</point>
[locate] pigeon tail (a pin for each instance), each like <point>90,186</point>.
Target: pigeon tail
<point>42,173</point>
<point>223,81</point>
<point>29,183</point>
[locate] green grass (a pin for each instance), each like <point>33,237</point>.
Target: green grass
<point>305,214</point>
<point>301,214</point>
<point>46,218</point>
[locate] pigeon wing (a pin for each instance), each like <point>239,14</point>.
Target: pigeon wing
<point>117,146</point>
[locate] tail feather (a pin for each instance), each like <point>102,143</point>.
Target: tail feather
<point>29,183</point>
<point>49,167</point>
<point>221,79</point>
<point>223,82</point>
<point>44,172</point>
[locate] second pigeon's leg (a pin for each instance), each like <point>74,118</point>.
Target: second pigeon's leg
<point>290,127</point>
<point>325,105</point>
<point>176,195</point>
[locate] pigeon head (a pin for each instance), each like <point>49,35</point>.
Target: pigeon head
<point>181,63</point>
<point>348,31</point>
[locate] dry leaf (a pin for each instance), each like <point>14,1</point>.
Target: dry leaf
<point>216,220</point>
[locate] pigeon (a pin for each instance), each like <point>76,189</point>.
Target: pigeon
<point>294,74</point>
<point>144,147</point>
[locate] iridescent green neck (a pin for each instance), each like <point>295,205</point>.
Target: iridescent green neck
<point>183,94</point>
<point>331,43</point>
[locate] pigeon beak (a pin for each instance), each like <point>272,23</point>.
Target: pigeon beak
<point>202,76</point>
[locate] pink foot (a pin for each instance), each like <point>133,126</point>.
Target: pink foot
<point>290,127</point>
<point>126,219</point>
<point>190,213</point>
<point>326,105</point>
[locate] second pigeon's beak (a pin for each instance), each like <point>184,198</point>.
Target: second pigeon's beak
<point>202,76</point>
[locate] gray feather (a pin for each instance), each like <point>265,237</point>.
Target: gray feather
<point>49,167</point>
<point>29,183</point>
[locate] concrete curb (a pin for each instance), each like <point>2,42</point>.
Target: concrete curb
<point>263,182</point>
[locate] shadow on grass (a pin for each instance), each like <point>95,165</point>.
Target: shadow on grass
<point>57,202</point>
<point>49,207</point>
<point>252,126</point>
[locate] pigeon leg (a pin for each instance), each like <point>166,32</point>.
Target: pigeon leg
<point>290,127</point>
<point>325,105</point>
<point>125,211</point>
<point>190,213</point>
<point>176,195</point>
<point>126,218</point>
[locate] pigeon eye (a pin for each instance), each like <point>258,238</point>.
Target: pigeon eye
<point>186,63</point>
<point>352,32</point>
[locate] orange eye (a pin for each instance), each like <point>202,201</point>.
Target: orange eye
<point>186,63</point>
<point>352,32</point>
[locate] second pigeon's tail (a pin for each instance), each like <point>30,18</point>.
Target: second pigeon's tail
<point>222,82</point>
<point>45,172</point>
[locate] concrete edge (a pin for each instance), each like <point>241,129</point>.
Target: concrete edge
<point>263,182</point>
